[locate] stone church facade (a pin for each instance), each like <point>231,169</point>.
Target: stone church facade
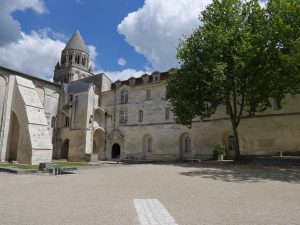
<point>86,116</point>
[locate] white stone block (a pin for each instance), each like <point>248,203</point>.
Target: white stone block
<point>36,115</point>
<point>39,136</point>
<point>24,82</point>
<point>30,97</point>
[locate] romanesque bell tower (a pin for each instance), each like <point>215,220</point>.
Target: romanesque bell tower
<point>74,63</point>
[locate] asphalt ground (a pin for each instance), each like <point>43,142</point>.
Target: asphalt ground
<point>192,194</point>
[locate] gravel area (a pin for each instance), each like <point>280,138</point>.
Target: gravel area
<point>193,194</point>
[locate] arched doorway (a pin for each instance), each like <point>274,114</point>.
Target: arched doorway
<point>98,145</point>
<point>65,149</point>
<point>116,151</point>
<point>13,138</point>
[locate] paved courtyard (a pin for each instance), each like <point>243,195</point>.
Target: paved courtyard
<point>183,194</point>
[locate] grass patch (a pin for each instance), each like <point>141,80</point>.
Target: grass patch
<point>64,164</point>
<point>21,166</point>
<point>26,166</point>
<point>56,164</point>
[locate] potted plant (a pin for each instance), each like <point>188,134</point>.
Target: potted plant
<point>219,151</point>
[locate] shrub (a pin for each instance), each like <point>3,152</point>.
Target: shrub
<point>219,149</point>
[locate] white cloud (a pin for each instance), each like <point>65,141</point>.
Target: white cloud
<point>93,54</point>
<point>34,54</point>
<point>122,62</point>
<point>155,29</point>
<point>10,29</point>
<point>124,74</point>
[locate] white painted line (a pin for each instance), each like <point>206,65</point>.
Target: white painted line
<point>152,212</point>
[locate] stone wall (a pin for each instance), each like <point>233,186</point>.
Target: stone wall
<point>265,133</point>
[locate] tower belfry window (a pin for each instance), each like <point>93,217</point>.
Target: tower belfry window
<point>77,59</point>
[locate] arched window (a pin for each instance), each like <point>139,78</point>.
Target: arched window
<point>70,58</point>
<point>124,96</point>
<point>83,61</point>
<point>149,144</point>
<point>77,59</point>
<point>63,59</point>
<point>185,146</point>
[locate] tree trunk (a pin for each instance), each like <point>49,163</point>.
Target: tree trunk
<point>237,145</point>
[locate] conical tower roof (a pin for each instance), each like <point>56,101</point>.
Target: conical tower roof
<point>76,42</point>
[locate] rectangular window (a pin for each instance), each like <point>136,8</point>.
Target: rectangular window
<point>67,122</point>
<point>140,115</point>
<point>167,113</point>
<point>148,94</point>
<point>277,103</point>
<point>124,96</point>
<point>252,110</point>
<point>206,107</point>
<point>123,116</point>
<point>75,108</point>
<point>71,98</point>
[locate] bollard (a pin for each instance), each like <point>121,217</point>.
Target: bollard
<point>56,171</point>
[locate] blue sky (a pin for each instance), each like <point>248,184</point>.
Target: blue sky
<point>125,37</point>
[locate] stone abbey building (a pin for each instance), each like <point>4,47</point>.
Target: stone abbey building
<point>86,116</point>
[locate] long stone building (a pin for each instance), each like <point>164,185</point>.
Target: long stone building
<point>86,116</point>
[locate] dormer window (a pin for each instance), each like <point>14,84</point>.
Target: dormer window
<point>156,76</point>
<point>145,78</point>
<point>118,83</point>
<point>131,81</point>
<point>124,96</point>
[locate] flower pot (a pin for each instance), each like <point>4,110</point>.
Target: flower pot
<point>220,157</point>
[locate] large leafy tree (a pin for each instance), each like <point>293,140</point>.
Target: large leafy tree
<point>242,56</point>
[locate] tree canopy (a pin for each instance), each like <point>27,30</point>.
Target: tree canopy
<point>241,56</point>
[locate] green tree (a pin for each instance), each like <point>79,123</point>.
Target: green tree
<point>241,56</point>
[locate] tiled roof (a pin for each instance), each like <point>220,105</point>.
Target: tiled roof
<point>139,80</point>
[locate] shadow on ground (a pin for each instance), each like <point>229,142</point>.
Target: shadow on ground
<point>232,172</point>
